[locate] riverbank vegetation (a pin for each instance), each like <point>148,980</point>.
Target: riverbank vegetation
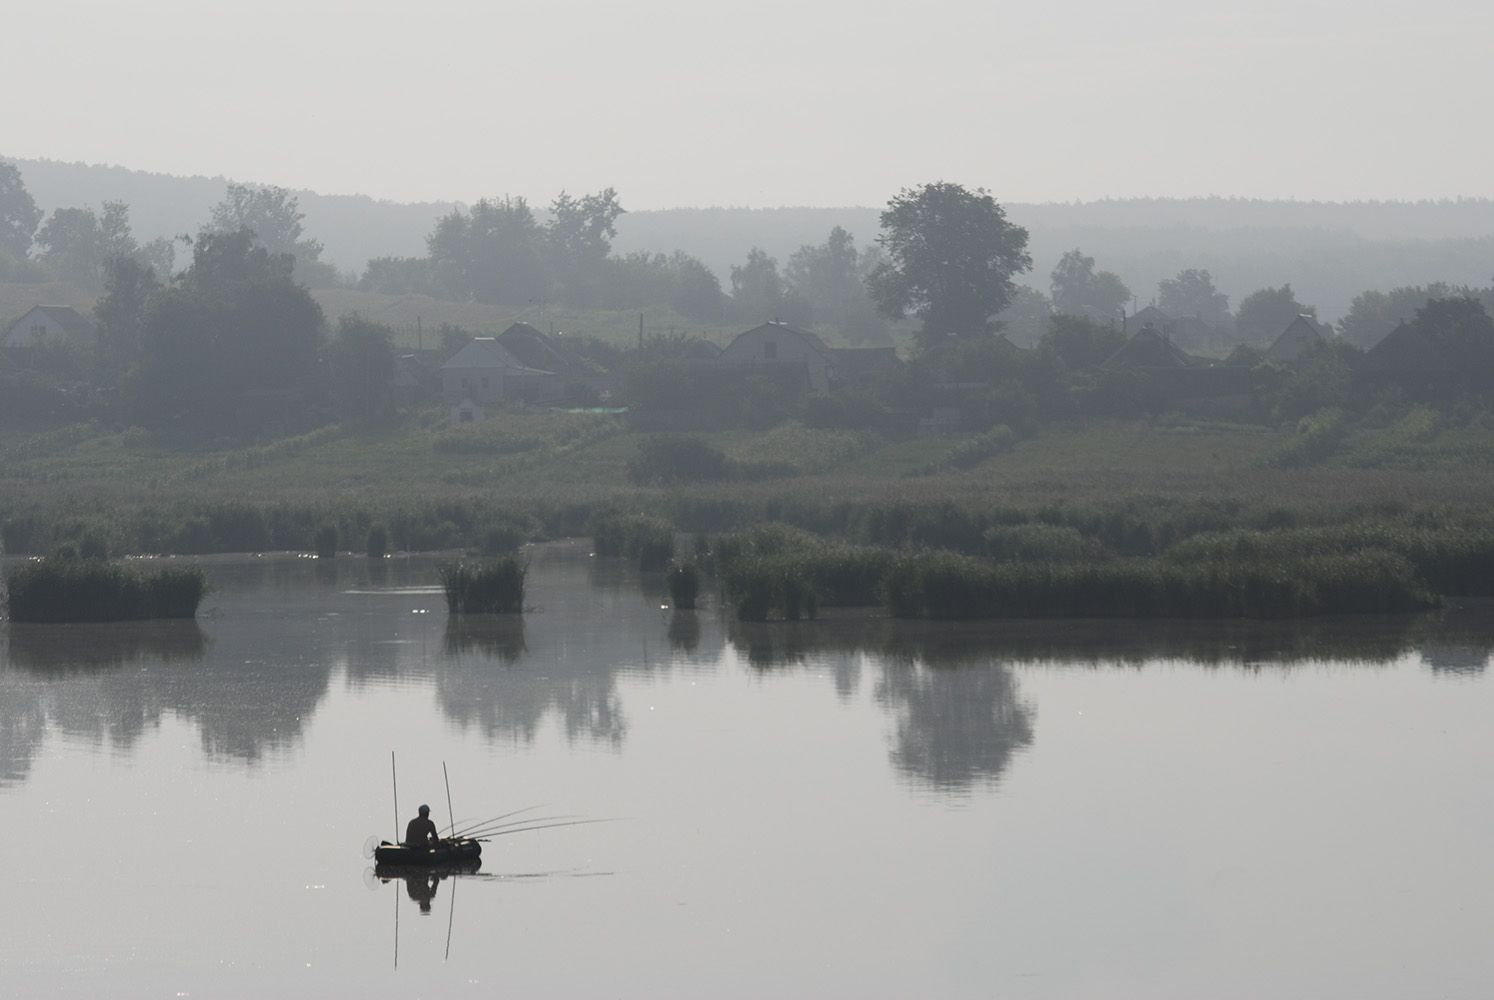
<point>1103,517</point>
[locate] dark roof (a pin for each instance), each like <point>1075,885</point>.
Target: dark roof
<point>1404,349</point>
<point>700,349</point>
<point>1148,348</point>
<point>533,348</point>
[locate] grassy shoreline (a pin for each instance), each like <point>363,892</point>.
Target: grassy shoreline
<point>1158,497</point>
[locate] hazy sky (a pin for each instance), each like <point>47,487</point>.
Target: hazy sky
<point>811,102</point>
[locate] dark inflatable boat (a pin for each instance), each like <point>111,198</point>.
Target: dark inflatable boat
<point>457,853</point>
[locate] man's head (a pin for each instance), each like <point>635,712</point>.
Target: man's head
<point>425,810</point>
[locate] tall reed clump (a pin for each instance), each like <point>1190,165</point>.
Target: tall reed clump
<point>684,584</point>
<point>64,590</point>
<point>495,588</point>
<point>648,539</point>
<point>326,541</point>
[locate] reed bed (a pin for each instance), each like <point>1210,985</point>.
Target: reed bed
<point>781,572</point>
<point>648,539</point>
<point>495,588</point>
<point>683,579</point>
<point>69,590</point>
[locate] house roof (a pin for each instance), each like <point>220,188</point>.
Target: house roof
<point>700,349</point>
<point>531,347</point>
<point>813,341</point>
<point>1148,348</point>
<point>483,352</point>
<point>1405,349</point>
<point>67,319</point>
<point>1300,336</point>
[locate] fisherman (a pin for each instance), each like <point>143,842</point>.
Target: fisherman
<point>421,832</point>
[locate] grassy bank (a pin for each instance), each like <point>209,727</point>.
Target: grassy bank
<point>1168,501</point>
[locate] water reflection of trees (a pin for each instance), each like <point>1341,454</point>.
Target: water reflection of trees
<point>959,716</point>
<point>956,726</point>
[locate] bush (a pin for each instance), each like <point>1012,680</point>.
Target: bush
<point>666,458</point>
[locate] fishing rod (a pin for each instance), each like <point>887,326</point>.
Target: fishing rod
<point>394,774</point>
<point>450,814</point>
<point>541,826</point>
<point>474,824</point>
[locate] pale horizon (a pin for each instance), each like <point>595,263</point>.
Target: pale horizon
<point>676,105</point>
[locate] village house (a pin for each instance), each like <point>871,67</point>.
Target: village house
<point>1303,337</point>
<point>484,375</point>
<point>50,325</point>
<point>826,368</point>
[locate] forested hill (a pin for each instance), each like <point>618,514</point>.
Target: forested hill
<point>1329,252</point>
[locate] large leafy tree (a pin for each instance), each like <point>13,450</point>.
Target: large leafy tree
<point>76,242</point>
<point>951,256</point>
<point>579,235</point>
<point>1373,314</point>
<point>275,218</point>
<point>236,322</point>
<point>492,253</point>
<point>757,289</point>
<point>360,370</point>
<point>1079,290</point>
<point>1464,332</point>
<point>1192,293</point>
<point>19,215</point>
<point>1265,313</point>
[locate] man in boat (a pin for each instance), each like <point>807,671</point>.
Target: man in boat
<point>421,832</point>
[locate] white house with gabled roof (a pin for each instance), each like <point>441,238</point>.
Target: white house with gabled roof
<point>484,375</point>
<point>50,325</point>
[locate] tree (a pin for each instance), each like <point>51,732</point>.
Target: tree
<point>492,253</point>
<point>129,286</point>
<point>1079,290</point>
<point>757,288</point>
<point>951,256</point>
<point>236,322</point>
<point>1265,313</point>
<point>697,294</point>
<point>829,280</point>
<point>1025,319</point>
<point>579,235</point>
<point>1373,314</point>
<point>19,215</point>
<point>1192,293</point>
<point>274,216</point>
<point>76,243</point>
<point>360,370</point>
<point>1463,331</point>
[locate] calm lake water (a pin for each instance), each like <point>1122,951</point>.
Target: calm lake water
<point>850,807</point>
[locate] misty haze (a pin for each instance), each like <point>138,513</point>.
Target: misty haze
<point>817,501</point>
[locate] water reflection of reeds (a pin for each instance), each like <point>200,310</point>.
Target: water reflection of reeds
<point>498,636</point>
<point>95,647</point>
